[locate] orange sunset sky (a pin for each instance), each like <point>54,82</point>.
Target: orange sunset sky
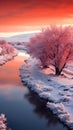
<point>28,15</point>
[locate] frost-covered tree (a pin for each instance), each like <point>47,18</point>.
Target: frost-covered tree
<point>54,46</point>
<point>5,47</point>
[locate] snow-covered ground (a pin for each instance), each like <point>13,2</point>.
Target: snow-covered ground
<point>19,38</point>
<point>56,90</point>
<point>21,47</point>
<point>3,122</point>
<point>7,57</point>
<point>7,52</point>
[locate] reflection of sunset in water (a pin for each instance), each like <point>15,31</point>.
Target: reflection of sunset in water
<point>21,106</point>
<point>9,73</point>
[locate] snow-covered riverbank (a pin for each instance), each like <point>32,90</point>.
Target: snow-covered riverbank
<point>7,57</point>
<point>7,52</point>
<point>3,122</point>
<point>57,91</point>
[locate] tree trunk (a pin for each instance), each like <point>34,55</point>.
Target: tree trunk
<point>57,71</point>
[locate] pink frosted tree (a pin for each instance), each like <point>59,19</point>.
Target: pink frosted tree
<point>54,46</point>
<point>6,48</point>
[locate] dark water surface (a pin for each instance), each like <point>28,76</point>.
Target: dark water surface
<point>23,109</point>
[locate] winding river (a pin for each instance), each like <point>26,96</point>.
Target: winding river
<point>23,109</point>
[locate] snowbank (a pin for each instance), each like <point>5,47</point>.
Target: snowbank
<point>3,122</point>
<point>7,52</point>
<point>56,90</point>
<point>7,57</point>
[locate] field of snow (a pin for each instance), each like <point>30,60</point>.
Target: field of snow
<point>21,47</point>
<point>19,38</point>
<point>56,90</point>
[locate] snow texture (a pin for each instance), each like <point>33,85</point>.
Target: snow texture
<point>7,52</point>
<point>19,38</point>
<point>6,57</point>
<point>56,90</point>
<point>3,122</point>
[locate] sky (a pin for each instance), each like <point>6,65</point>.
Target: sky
<point>31,15</point>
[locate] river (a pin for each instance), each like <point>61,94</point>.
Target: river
<point>24,110</point>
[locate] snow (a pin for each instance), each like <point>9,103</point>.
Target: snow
<point>3,122</point>
<point>56,90</point>
<point>7,52</point>
<point>23,54</point>
<point>7,57</point>
<point>20,37</point>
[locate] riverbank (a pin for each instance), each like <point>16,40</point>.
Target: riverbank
<point>7,57</point>
<point>3,122</point>
<point>57,91</point>
<point>7,52</point>
<point>17,99</point>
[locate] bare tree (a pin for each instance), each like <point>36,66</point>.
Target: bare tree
<point>54,46</point>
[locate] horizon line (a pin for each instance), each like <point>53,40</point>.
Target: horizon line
<point>13,33</point>
<point>9,34</point>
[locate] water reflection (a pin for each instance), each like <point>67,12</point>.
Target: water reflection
<point>9,73</point>
<point>41,110</point>
<point>24,110</point>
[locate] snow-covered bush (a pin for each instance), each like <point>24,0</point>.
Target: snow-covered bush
<point>5,48</point>
<point>53,46</point>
